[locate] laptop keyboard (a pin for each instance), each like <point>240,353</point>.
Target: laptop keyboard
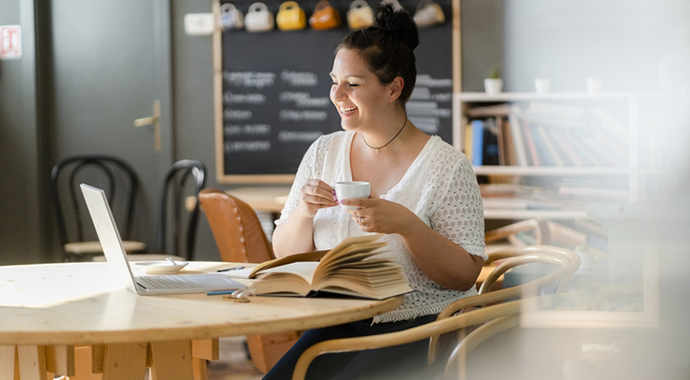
<point>163,282</point>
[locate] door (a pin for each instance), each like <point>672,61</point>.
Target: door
<point>111,63</point>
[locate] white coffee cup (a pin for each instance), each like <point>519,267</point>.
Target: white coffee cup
<point>352,190</point>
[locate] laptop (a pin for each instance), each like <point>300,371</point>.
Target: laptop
<point>115,255</point>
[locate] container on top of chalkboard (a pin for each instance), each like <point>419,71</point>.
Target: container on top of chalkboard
<point>325,16</point>
<point>230,17</point>
<point>360,15</point>
<point>428,14</point>
<point>259,18</point>
<point>291,17</point>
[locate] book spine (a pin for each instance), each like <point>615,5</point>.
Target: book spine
<point>509,144</point>
<point>531,146</point>
<point>468,142</point>
<point>545,157</point>
<point>518,143</point>
<point>477,142</point>
<point>551,149</point>
<point>500,140</point>
<point>569,151</point>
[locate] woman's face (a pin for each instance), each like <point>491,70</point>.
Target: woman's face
<point>356,91</point>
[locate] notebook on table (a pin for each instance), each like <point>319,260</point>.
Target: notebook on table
<point>116,257</point>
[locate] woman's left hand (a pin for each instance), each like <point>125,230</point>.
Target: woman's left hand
<point>380,215</point>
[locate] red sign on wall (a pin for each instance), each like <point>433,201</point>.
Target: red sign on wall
<point>10,42</point>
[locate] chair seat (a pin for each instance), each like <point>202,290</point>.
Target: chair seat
<point>94,247</point>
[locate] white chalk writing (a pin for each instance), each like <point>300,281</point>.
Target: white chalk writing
<point>247,146</point>
<point>231,114</point>
<point>299,79</point>
<point>299,136</point>
<point>230,98</point>
<point>247,129</point>
<point>249,79</point>
<point>293,115</point>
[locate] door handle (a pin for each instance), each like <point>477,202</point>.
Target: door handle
<point>156,121</point>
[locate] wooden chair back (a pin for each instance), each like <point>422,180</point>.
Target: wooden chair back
<point>451,319</point>
<point>236,228</point>
<point>240,238</point>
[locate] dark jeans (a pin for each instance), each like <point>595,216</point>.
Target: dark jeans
<point>398,362</point>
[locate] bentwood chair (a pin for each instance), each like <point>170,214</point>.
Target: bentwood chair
<point>501,314</point>
<point>178,217</point>
<point>538,228</point>
<point>178,213</point>
<point>240,238</point>
<point>116,177</point>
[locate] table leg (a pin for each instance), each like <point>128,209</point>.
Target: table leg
<point>32,362</point>
<point>9,363</point>
<point>202,350</point>
<point>83,363</point>
<point>60,360</point>
<point>171,360</point>
<point>125,361</point>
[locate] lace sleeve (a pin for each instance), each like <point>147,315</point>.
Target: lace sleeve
<point>305,171</point>
<point>459,213</point>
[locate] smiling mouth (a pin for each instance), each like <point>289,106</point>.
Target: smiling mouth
<point>347,110</point>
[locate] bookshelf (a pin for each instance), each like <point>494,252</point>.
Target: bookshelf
<point>611,117</point>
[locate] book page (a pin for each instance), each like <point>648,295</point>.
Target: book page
<point>303,269</point>
<point>304,256</point>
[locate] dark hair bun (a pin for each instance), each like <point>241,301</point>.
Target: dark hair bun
<point>396,23</point>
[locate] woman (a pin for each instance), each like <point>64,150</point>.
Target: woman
<point>424,196</point>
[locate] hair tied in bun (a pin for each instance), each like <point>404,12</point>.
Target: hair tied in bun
<point>394,4</point>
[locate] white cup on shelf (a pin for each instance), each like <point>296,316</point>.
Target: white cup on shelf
<point>594,85</point>
<point>542,85</point>
<point>352,190</point>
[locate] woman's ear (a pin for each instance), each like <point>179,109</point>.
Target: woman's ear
<point>396,88</point>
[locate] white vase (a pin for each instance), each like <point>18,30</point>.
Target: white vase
<point>594,85</point>
<point>493,85</point>
<point>542,85</point>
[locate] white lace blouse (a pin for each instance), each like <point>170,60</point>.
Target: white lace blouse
<point>440,187</point>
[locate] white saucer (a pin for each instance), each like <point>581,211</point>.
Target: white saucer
<point>160,267</point>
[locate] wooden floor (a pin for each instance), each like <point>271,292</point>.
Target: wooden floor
<point>234,363</point>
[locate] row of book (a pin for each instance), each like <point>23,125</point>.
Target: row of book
<point>545,135</point>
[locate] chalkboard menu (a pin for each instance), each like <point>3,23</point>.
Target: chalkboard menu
<point>275,87</point>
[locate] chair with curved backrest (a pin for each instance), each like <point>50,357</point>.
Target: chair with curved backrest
<point>176,231</point>
<point>538,226</point>
<point>120,182</point>
<point>497,317</point>
<point>240,238</point>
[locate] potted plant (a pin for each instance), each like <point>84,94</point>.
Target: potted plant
<point>493,83</point>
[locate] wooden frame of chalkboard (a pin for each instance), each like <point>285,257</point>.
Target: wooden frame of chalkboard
<point>271,90</point>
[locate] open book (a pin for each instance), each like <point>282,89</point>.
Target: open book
<point>348,269</point>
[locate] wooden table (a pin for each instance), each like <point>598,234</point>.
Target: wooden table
<point>48,310</point>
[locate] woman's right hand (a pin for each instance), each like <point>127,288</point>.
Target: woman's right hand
<point>316,195</point>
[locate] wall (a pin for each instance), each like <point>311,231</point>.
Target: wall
<point>22,221</point>
<point>621,42</point>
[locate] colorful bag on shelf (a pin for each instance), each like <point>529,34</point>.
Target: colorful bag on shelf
<point>259,18</point>
<point>290,16</point>
<point>360,15</point>
<point>325,16</point>
<point>428,13</point>
<point>230,17</point>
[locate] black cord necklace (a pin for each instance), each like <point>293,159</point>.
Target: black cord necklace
<point>377,149</point>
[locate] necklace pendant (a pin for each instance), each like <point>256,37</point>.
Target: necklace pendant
<point>377,150</point>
